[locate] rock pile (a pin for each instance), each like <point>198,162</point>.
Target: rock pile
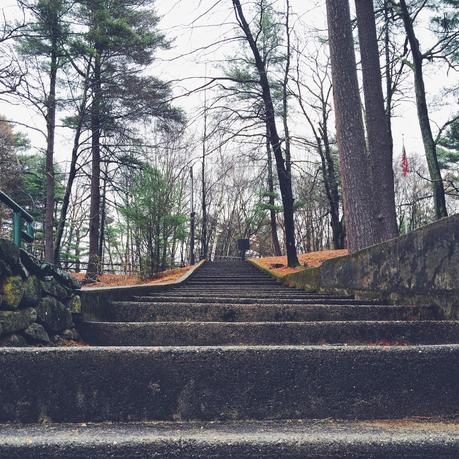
<point>36,300</point>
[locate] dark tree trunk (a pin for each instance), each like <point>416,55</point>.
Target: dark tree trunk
<point>282,172</point>
<point>379,136</point>
<point>77,250</point>
<point>103,215</point>
<point>358,204</point>
<point>272,213</point>
<point>423,115</point>
<point>387,67</point>
<point>203,190</point>
<point>70,179</point>
<point>331,189</point>
<point>94,212</point>
<point>288,155</point>
<point>50,131</point>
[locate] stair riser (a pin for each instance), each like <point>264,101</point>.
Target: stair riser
<point>83,385</point>
<point>139,312</point>
<point>287,333</point>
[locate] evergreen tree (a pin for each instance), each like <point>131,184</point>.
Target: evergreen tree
<point>45,39</point>
<point>120,40</point>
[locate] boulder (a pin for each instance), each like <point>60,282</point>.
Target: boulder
<point>12,291</point>
<point>14,340</point>
<point>70,334</point>
<point>32,292</point>
<point>4,270</point>
<point>9,254</point>
<point>54,315</point>
<point>30,263</point>
<point>36,333</point>
<point>12,321</point>
<point>52,288</point>
<point>75,304</point>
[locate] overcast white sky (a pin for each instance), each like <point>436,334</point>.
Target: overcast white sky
<point>199,23</point>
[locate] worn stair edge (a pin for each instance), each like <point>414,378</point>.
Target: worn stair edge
<point>233,299</point>
<point>247,293</point>
<point>268,333</point>
<point>140,312</point>
<point>287,439</point>
<point>227,383</point>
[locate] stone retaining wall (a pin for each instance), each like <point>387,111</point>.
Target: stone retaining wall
<point>421,267</point>
<point>36,300</point>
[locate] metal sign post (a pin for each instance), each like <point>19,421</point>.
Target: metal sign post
<point>243,245</point>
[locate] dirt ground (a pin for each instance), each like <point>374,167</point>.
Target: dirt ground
<point>116,280</point>
<point>278,265</point>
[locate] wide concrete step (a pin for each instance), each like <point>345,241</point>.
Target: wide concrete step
<point>246,299</point>
<point>404,438</point>
<point>229,276</point>
<point>128,311</point>
<point>227,383</point>
<point>247,294</point>
<point>232,283</point>
<point>252,291</point>
<point>268,333</point>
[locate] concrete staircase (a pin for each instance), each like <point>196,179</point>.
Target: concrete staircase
<point>233,364</point>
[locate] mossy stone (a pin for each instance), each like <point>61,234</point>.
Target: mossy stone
<point>54,315</point>
<point>12,321</point>
<point>32,292</point>
<point>36,333</point>
<point>75,304</point>
<point>52,288</point>
<point>12,292</point>
<point>9,254</point>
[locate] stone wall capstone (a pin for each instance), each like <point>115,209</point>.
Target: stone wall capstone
<point>36,300</point>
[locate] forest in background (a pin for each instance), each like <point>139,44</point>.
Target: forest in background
<point>241,165</point>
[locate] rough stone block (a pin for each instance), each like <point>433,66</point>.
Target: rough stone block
<point>32,292</point>
<point>52,288</point>
<point>12,321</point>
<point>12,291</point>
<point>54,315</point>
<point>9,254</point>
<point>75,304</point>
<point>13,340</point>
<point>36,333</point>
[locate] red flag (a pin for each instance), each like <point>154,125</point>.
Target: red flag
<point>405,165</point>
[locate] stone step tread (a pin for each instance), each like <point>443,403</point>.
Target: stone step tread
<point>126,311</point>
<point>429,438</point>
<point>266,333</point>
<point>273,298</point>
<point>227,383</point>
<point>267,293</point>
<point>235,299</point>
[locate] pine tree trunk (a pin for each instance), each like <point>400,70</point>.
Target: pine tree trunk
<point>94,213</point>
<point>70,179</point>
<point>331,189</point>
<point>358,204</point>
<point>423,115</point>
<point>272,213</point>
<point>379,136</point>
<point>203,190</point>
<point>103,215</point>
<point>50,128</point>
